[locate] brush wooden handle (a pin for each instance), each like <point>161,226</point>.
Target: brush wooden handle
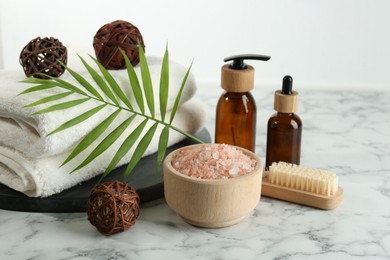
<point>301,197</point>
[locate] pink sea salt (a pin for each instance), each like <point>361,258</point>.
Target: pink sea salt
<point>213,161</point>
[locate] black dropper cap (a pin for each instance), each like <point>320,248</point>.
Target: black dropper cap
<point>287,85</point>
<point>238,60</point>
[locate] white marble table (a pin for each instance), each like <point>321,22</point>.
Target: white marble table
<point>344,131</point>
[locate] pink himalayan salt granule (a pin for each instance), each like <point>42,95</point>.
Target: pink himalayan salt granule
<point>213,161</point>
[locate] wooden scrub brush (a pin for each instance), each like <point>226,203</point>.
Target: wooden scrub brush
<point>301,185</point>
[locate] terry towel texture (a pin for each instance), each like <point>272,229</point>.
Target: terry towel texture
<point>30,160</point>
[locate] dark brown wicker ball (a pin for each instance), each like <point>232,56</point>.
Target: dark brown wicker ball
<point>42,55</point>
<point>113,207</point>
<point>114,36</point>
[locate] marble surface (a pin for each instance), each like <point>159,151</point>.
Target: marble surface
<point>347,132</point>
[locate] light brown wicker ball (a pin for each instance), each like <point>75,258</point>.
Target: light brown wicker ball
<point>114,36</point>
<point>113,207</point>
<point>41,55</point>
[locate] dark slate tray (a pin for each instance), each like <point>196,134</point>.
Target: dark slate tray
<point>144,179</point>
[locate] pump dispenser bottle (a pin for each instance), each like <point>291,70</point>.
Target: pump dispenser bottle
<point>284,131</point>
<point>236,108</point>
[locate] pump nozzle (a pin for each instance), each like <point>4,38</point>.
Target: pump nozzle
<point>237,76</point>
<point>238,60</point>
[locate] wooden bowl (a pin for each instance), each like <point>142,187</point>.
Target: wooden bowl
<point>208,202</point>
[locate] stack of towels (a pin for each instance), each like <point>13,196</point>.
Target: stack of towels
<point>30,159</point>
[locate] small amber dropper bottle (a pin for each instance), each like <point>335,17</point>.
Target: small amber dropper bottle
<point>284,131</point>
<point>236,109</point>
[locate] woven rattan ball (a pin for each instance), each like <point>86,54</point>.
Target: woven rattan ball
<point>114,36</point>
<point>113,207</point>
<point>42,55</point>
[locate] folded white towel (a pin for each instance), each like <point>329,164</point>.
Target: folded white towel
<point>27,133</point>
<point>42,177</point>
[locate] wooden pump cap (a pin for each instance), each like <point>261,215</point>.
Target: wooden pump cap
<point>233,80</point>
<point>286,103</point>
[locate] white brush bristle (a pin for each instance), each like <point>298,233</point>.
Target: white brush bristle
<point>302,178</point>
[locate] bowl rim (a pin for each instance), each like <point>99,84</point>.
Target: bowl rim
<point>168,164</point>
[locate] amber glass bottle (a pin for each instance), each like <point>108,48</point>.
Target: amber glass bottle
<point>235,121</point>
<point>284,131</point>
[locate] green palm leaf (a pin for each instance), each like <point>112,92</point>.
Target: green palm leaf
<point>83,82</point>
<point>66,85</point>
<point>54,83</point>
<point>62,106</point>
<point>78,119</point>
<point>140,150</point>
<point>134,82</point>
<point>92,136</point>
<point>146,80</point>
<point>125,147</point>
<point>100,82</point>
<point>178,97</point>
<point>162,146</point>
<point>164,85</point>
<point>107,142</point>
<point>114,85</point>
<point>50,98</point>
<point>33,80</point>
<point>46,85</point>
<point>112,91</point>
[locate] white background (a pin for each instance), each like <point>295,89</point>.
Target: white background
<point>322,43</point>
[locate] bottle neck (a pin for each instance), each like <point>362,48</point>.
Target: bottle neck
<point>284,114</point>
<point>236,94</point>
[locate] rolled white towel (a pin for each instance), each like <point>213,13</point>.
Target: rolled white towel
<point>27,133</point>
<point>42,177</point>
